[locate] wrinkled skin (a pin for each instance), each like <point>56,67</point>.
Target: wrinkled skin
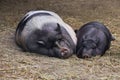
<point>93,39</point>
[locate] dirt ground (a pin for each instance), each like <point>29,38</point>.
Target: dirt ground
<point>18,65</point>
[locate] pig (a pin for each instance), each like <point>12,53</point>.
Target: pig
<point>44,32</point>
<point>93,39</point>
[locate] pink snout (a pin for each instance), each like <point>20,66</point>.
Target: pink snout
<point>65,53</point>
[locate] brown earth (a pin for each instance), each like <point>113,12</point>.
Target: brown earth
<point>18,65</point>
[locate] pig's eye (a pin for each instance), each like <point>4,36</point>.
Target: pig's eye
<point>41,42</point>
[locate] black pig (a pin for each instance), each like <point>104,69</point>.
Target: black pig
<point>44,32</point>
<point>93,39</point>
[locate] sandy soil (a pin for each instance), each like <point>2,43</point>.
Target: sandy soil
<point>18,65</point>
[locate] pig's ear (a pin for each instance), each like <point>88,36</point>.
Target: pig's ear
<point>58,29</point>
<point>75,30</point>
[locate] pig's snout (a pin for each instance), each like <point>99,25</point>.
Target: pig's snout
<point>65,53</point>
<point>86,56</point>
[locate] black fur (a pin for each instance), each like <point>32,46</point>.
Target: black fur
<point>94,32</point>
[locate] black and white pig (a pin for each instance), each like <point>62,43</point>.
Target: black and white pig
<point>44,32</point>
<point>93,39</point>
